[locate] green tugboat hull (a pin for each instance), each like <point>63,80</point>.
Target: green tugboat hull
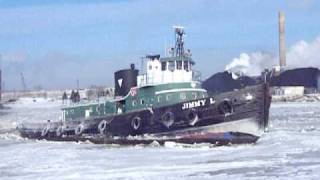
<point>235,117</point>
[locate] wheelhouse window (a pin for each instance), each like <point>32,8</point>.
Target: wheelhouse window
<point>179,65</point>
<point>186,65</point>
<point>163,66</point>
<point>171,65</point>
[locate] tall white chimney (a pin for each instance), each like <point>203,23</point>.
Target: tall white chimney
<point>282,40</point>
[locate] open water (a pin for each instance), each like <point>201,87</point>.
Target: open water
<point>289,150</point>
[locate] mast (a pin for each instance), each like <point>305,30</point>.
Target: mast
<point>179,46</point>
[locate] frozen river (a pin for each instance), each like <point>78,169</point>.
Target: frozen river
<point>289,150</point>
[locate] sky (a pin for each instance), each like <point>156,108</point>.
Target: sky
<point>54,43</point>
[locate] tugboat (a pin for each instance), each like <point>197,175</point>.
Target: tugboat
<point>166,103</point>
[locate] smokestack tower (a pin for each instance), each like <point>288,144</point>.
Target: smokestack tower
<point>0,78</point>
<point>282,40</point>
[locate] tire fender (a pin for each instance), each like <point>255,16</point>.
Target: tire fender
<point>225,107</point>
<point>45,130</point>
<point>192,117</point>
<point>167,119</point>
<point>136,123</point>
<point>102,126</point>
<point>59,131</point>
<point>79,129</point>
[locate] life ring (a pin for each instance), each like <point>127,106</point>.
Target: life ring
<point>45,130</point>
<point>192,117</point>
<point>136,123</point>
<point>225,107</point>
<point>102,126</point>
<point>59,131</point>
<point>79,129</point>
<point>167,119</point>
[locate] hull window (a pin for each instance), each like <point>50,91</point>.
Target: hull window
<point>168,97</point>
<point>134,102</point>
<point>87,113</point>
<point>183,96</point>
<point>142,102</point>
<point>194,95</point>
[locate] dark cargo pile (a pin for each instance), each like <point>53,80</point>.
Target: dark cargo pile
<point>223,81</point>
<point>307,77</point>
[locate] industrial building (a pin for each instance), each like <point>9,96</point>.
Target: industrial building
<point>283,81</point>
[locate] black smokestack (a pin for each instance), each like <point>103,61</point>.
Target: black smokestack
<point>124,80</point>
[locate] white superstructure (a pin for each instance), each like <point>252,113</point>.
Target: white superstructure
<point>166,70</point>
<point>174,69</point>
